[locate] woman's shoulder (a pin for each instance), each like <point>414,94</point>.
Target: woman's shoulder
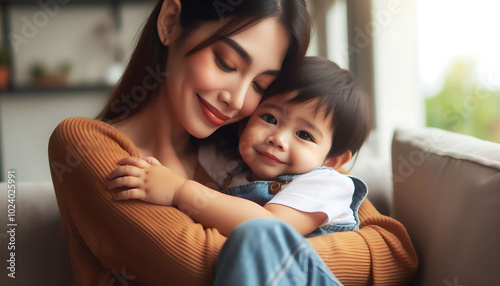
<point>75,130</point>
<point>72,124</point>
<point>84,127</point>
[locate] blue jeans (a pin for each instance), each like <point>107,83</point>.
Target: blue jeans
<point>270,252</point>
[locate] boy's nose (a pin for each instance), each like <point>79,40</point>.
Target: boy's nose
<point>278,140</point>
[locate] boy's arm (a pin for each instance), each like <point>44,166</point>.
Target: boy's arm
<point>159,185</point>
<point>224,212</point>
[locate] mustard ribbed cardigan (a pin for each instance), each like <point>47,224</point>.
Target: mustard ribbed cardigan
<point>146,244</point>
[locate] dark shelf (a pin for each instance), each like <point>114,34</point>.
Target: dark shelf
<point>58,89</point>
<point>71,2</point>
<point>6,5</point>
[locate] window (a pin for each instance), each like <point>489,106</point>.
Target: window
<point>459,66</point>
<point>377,41</point>
<point>425,63</point>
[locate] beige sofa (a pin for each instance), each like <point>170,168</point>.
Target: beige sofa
<point>446,193</point>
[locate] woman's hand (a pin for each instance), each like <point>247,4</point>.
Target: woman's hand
<point>145,179</point>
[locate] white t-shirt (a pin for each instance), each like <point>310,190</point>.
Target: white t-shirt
<point>321,190</point>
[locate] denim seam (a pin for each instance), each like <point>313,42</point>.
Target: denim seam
<point>285,264</point>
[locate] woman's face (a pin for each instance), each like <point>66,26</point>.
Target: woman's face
<point>223,82</point>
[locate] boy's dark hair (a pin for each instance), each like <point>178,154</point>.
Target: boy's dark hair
<point>338,94</point>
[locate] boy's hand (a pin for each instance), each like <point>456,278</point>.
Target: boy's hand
<point>145,179</point>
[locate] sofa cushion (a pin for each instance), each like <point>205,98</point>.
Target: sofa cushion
<point>41,253</point>
<point>447,194</point>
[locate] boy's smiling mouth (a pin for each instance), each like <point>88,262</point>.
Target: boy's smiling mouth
<point>270,158</point>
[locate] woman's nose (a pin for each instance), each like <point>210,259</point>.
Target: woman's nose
<point>234,98</point>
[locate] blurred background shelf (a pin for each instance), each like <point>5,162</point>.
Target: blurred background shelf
<point>63,58</point>
<point>28,24</point>
<point>58,89</point>
<point>70,2</point>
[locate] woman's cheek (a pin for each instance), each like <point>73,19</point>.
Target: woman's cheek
<point>250,104</point>
<point>203,71</point>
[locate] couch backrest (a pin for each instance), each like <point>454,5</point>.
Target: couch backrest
<point>447,194</point>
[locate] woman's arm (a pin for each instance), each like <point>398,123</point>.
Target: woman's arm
<point>379,253</point>
<point>146,244</point>
<point>159,185</point>
<point>224,212</point>
<point>159,245</point>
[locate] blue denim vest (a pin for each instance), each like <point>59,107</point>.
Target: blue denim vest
<point>261,192</point>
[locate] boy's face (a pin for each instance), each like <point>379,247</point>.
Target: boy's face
<point>282,138</point>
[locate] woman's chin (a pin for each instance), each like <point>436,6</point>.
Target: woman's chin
<point>202,133</point>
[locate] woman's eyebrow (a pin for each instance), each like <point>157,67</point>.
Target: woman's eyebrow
<point>272,72</point>
<point>245,56</point>
<point>238,49</point>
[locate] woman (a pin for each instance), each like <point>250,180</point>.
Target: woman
<point>198,65</point>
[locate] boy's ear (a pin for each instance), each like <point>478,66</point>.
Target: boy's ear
<point>168,24</point>
<point>336,162</point>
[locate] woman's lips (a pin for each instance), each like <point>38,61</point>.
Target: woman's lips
<point>268,157</point>
<point>212,114</point>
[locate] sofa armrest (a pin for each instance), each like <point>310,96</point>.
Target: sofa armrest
<point>447,194</point>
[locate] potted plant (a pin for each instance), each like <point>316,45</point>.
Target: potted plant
<point>44,78</point>
<point>4,67</point>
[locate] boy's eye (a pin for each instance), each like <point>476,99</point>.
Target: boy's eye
<point>222,64</point>
<point>304,136</point>
<point>269,119</point>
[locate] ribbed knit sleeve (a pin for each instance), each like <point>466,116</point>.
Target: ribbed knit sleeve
<point>145,244</point>
<point>379,253</point>
<point>110,240</point>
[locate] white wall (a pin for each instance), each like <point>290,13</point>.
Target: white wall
<point>27,122</point>
<point>398,98</point>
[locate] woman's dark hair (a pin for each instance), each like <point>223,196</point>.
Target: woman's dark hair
<point>338,95</point>
<point>133,91</point>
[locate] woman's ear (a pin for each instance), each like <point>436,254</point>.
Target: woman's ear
<point>169,28</point>
<point>336,162</point>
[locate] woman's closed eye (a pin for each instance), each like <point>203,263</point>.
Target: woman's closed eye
<point>304,136</point>
<point>269,119</point>
<point>223,65</point>
<point>258,87</point>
